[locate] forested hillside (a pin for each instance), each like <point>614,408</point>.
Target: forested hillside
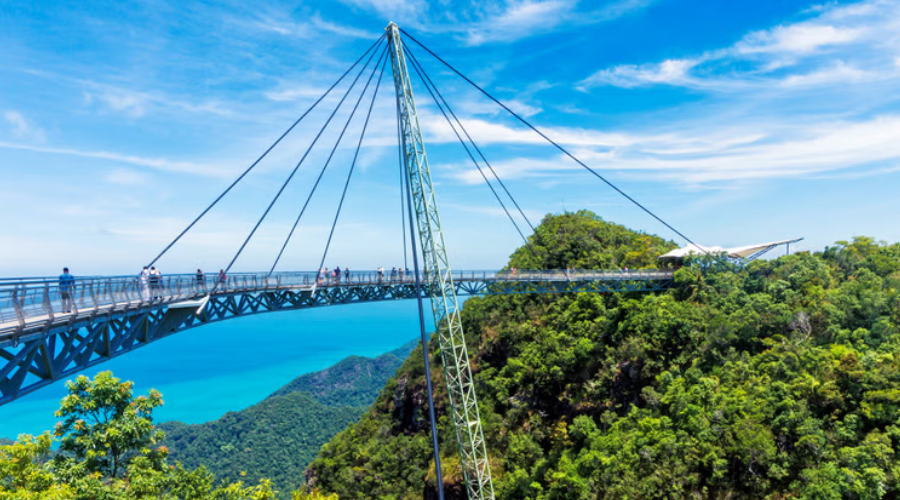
<point>109,449</point>
<point>778,380</point>
<point>278,437</point>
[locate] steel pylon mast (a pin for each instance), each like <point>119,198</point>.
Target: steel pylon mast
<point>454,356</point>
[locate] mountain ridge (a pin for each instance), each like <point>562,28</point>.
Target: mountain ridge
<point>277,437</point>
<point>779,379</point>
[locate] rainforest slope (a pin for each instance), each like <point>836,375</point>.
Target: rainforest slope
<point>777,380</point>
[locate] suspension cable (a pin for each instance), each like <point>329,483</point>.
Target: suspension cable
<point>355,156</point>
<point>402,197</point>
<point>327,163</point>
<point>284,185</point>
<point>265,153</point>
<point>469,137</point>
<point>551,141</point>
<point>466,147</point>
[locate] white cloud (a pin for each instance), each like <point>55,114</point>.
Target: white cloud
<point>800,38</point>
<point>705,155</point>
<point>342,30</point>
<point>127,177</point>
<point>497,21</point>
<point>294,93</point>
<point>393,10</point>
<point>521,168</point>
<point>131,104</point>
<point>136,104</point>
<point>154,163</point>
<point>519,19</point>
<point>488,132</point>
<point>308,29</point>
<point>839,73</point>
<point>522,108</point>
<point>839,44</point>
<point>23,128</point>
<point>534,216</point>
<point>671,72</point>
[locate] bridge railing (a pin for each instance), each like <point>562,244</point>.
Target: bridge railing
<point>24,300</point>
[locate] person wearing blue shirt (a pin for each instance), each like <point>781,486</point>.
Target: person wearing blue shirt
<point>66,289</point>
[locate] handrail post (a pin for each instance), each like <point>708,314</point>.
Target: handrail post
<point>48,308</point>
<point>111,293</point>
<point>18,307</point>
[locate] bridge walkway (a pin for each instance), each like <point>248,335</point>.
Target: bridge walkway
<point>40,341</point>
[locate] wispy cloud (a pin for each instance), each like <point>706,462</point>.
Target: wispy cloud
<point>519,19</point>
<point>310,28</point>
<point>492,21</point>
<point>802,38</point>
<point>136,103</point>
<point>838,73</point>
<point>407,11</point>
<point>670,72</point>
<point>127,177</point>
<point>23,128</point>
<point>154,163</point>
<point>702,156</point>
<point>295,92</point>
<point>839,44</point>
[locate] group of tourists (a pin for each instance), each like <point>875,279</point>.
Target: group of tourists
<point>151,283</point>
<point>221,280</point>
<point>397,274</point>
<point>337,275</point>
<point>327,277</point>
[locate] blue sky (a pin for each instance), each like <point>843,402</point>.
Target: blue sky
<point>738,122</point>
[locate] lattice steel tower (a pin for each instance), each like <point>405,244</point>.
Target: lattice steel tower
<point>454,356</point>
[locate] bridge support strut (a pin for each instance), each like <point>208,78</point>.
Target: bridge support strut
<point>454,355</point>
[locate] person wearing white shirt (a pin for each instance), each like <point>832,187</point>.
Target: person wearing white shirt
<point>145,284</point>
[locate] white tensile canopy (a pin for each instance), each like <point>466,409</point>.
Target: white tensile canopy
<point>734,252</point>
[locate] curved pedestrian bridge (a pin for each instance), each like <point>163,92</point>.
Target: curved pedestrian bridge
<point>48,332</point>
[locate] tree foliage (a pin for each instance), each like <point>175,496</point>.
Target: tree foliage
<point>277,438</point>
<point>777,380</point>
<point>108,451</point>
<point>103,425</point>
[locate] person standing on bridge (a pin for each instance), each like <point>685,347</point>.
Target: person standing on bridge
<point>201,280</point>
<point>393,274</point>
<point>145,284</point>
<point>347,275</point>
<point>66,289</point>
<point>155,282</point>
<point>337,275</point>
<point>380,274</point>
<point>223,280</point>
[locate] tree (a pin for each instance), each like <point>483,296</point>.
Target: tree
<point>104,425</point>
<point>24,474</point>
<point>108,452</point>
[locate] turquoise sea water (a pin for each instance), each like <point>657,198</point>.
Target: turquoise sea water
<point>207,371</point>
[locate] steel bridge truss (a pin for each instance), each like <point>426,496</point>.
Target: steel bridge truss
<point>40,348</point>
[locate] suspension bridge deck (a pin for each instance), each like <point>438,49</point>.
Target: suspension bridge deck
<point>45,336</point>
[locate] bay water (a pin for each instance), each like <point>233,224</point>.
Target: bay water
<point>207,371</point>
